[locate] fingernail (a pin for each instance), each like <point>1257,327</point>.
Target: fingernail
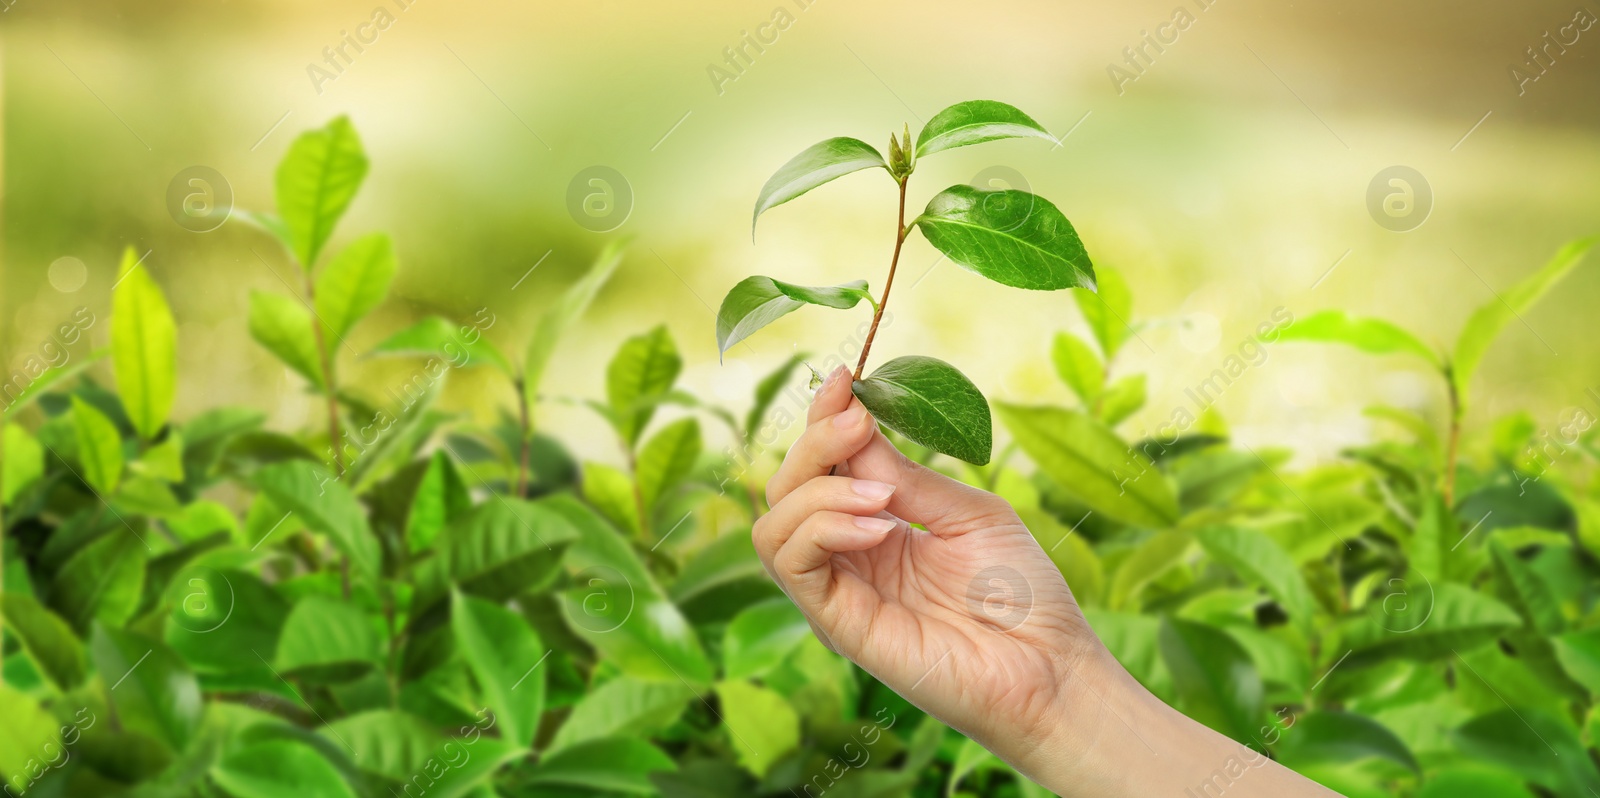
<point>828,381</point>
<point>877,526</point>
<point>868,489</point>
<point>851,416</point>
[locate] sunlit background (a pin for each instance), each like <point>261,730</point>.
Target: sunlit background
<point>1229,179</point>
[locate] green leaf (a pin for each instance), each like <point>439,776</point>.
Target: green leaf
<point>758,301</point>
<point>353,283</point>
<point>23,459</point>
<point>639,377</point>
<point>1258,559</point>
<point>1579,655</point>
<point>1216,682</point>
<point>1473,781</point>
<point>101,581</point>
<point>1078,366</point>
<point>1375,336</point>
<point>144,347</point>
<point>1487,321</point>
<point>393,744</point>
<point>1012,237</point>
<point>561,316</point>
<point>502,548</point>
<point>459,345</point>
<point>761,724</point>
<point>1426,621</point>
<point>1150,561</point>
<point>279,768</point>
<point>325,505</point>
<point>1531,595</point>
<point>316,180</point>
<point>1124,398</point>
<point>974,122</point>
<point>642,634</point>
<point>1331,736</point>
<point>99,447</point>
<point>610,491</point>
<point>163,461</point>
<point>760,637</point>
<point>150,687</point>
<point>441,497</point>
<point>622,705</point>
<point>818,164</point>
<point>1540,747</point>
<point>1107,309</point>
<point>667,458</point>
<point>503,654</point>
<point>1092,463</point>
<point>283,326</point>
<point>27,735</point>
<point>225,621</point>
<point>47,638</point>
<point>615,764</point>
<point>933,404</point>
<point>326,641</point>
<point>46,380</point>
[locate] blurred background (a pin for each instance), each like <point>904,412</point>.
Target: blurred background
<point>1226,170</point>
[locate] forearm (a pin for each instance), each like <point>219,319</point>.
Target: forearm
<point>1117,739</point>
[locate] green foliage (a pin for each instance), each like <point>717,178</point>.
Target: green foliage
<point>1012,237</point>
<point>203,608</point>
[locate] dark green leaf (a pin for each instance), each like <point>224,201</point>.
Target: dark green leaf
<point>758,301</point>
<point>1542,748</point>
<point>1426,621</point>
<point>326,641</point>
<point>500,549</point>
<point>974,122</point>
<point>277,769</point>
<point>818,164</point>
<point>1216,682</point>
<point>1258,559</point>
<point>99,447</point>
<point>101,581</point>
<point>353,283</point>
<point>316,180</point>
<point>395,745</point>
<point>325,505</point>
<point>666,459</point>
<point>1092,463</point>
<point>225,621</point>
<point>1332,736</point>
<point>503,654</point>
<point>283,325</point>
<point>47,639</point>
<point>638,378</point>
<point>148,685</point>
<point>615,764</point>
<point>1012,237</point>
<point>1579,655</point>
<point>760,637</point>
<point>933,404</point>
<point>622,705</point>
<point>1530,594</point>
<point>144,347</point>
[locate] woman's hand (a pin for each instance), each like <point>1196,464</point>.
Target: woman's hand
<point>967,617</point>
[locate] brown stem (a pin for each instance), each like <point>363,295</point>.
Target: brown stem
<point>527,432</point>
<point>332,390</point>
<point>1454,445</point>
<point>883,302</point>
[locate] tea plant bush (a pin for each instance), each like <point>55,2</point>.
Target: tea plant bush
<point>404,602</point>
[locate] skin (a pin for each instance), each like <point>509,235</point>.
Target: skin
<point>942,615</point>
